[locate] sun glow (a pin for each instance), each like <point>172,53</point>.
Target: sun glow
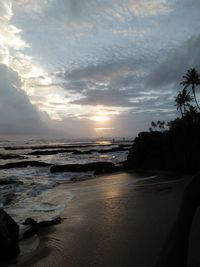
<point>100,118</point>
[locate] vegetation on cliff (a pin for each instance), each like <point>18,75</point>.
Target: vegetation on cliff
<point>174,145</point>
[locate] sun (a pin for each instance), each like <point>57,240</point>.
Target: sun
<point>100,118</point>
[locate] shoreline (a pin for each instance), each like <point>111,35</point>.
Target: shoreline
<point>113,220</point>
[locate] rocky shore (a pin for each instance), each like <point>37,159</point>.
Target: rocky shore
<point>175,150</point>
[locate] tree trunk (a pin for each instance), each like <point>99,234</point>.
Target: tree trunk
<point>181,111</point>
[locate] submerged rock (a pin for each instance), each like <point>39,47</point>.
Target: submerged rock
<point>24,164</point>
<point>9,236</point>
<point>49,152</point>
<point>10,156</point>
<point>9,182</point>
<point>100,167</point>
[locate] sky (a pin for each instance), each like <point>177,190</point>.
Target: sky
<point>92,68</point>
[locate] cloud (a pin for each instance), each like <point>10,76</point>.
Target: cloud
<point>31,7</point>
<point>170,71</point>
<point>86,53</point>
<point>119,84</point>
<point>18,115</point>
<point>83,8</point>
<point>10,35</point>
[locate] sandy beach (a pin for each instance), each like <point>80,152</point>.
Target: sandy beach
<point>113,220</point>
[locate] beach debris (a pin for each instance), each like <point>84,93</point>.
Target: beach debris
<point>9,237</point>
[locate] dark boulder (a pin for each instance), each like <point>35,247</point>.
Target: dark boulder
<point>175,150</point>
<point>9,237</point>
<point>146,152</point>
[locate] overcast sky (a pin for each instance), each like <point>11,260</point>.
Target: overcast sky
<point>88,68</point>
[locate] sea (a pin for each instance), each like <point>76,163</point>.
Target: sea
<point>34,191</point>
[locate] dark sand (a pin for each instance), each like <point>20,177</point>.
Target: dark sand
<point>112,221</point>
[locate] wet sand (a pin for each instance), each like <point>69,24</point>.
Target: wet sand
<point>112,220</point>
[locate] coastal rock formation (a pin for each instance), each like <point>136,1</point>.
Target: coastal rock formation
<point>24,164</point>
<point>49,152</point>
<point>9,236</point>
<point>78,152</point>
<point>40,147</point>
<point>177,150</point>
<point>10,156</point>
<point>98,167</point>
<point>9,181</point>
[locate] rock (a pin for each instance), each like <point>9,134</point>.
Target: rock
<point>29,221</point>
<point>52,222</point>
<point>49,152</point>
<point>11,156</point>
<point>101,167</point>
<point>146,152</point>
<point>65,168</point>
<point>32,227</point>
<point>24,164</point>
<point>87,152</point>
<point>9,181</point>
<point>41,147</point>
<point>173,150</point>
<point>101,151</point>
<point>9,237</point>
<point>28,231</point>
<point>6,198</point>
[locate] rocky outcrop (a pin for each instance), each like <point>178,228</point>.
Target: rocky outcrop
<point>177,150</point>
<point>97,167</point>
<point>9,237</point>
<point>24,164</point>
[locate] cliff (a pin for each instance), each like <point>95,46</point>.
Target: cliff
<point>176,149</point>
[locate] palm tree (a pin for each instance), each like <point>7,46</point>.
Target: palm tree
<point>179,103</point>
<point>192,78</point>
<point>182,101</point>
<point>154,125</point>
